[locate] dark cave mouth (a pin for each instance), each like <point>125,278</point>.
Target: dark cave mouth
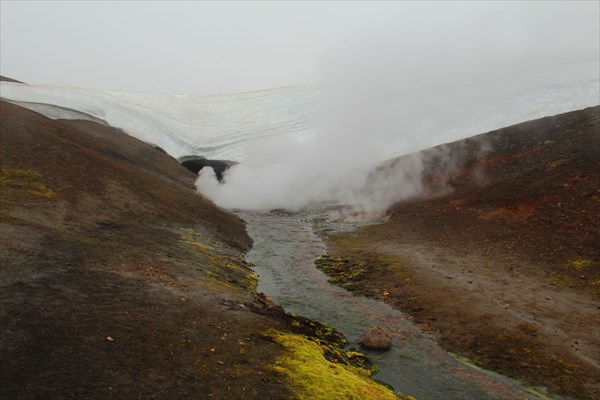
<point>196,163</point>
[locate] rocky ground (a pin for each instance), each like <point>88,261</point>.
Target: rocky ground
<point>500,257</point>
<point>118,280</point>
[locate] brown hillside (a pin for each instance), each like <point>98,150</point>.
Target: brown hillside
<point>118,280</point>
<point>501,259</point>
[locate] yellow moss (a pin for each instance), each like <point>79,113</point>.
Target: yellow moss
<point>465,361</point>
<point>536,392</point>
<point>562,280</point>
<point>201,246</point>
<point>558,163</point>
<point>217,282</point>
<point>312,377</point>
<point>24,180</point>
<point>222,270</point>
<point>395,266</point>
<point>579,263</point>
<point>595,283</point>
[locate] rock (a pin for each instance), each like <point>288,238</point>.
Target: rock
<point>376,338</point>
<point>264,305</point>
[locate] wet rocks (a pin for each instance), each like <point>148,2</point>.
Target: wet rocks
<point>263,305</point>
<point>376,338</point>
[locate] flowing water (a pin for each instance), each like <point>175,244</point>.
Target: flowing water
<point>285,247</point>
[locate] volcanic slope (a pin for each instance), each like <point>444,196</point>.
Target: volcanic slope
<point>500,257</point>
<point>118,280</point>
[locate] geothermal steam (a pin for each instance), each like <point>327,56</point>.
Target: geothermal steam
<point>444,72</point>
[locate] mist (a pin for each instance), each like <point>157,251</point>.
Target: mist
<point>430,75</point>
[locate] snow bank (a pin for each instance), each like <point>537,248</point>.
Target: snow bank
<point>213,126</point>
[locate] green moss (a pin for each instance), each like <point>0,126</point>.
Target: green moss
<point>221,268</point>
<point>331,341</point>
<point>549,142</point>
<point>352,273</point>
<point>24,180</point>
<point>313,377</point>
<point>315,330</point>
<point>345,272</point>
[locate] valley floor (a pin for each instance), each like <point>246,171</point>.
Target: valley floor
<point>504,268</point>
<point>485,308</point>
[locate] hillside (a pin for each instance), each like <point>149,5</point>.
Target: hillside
<point>5,79</point>
<point>500,258</point>
<point>118,280</point>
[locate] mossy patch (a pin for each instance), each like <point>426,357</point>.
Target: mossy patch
<point>220,267</point>
<point>467,361</point>
<point>24,180</point>
<point>582,273</point>
<point>352,273</point>
<point>558,163</point>
<point>313,377</point>
<point>579,263</point>
<point>345,272</point>
<point>595,283</point>
<point>331,341</point>
<point>537,393</point>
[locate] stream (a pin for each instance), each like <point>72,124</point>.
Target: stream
<point>285,247</point>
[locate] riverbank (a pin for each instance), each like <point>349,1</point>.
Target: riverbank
<point>119,281</point>
<point>503,267</point>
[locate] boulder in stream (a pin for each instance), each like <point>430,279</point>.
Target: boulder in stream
<point>376,338</point>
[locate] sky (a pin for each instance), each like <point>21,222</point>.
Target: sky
<point>223,47</point>
<point>183,47</point>
<point>393,78</point>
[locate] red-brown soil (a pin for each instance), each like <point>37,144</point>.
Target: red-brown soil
<point>501,258</point>
<point>117,279</point>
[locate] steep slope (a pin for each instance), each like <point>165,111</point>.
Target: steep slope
<point>117,280</point>
<point>500,258</point>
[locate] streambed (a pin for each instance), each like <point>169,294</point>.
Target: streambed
<point>285,247</point>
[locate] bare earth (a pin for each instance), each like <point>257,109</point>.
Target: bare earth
<point>504,268</point>
<point>119,281</point>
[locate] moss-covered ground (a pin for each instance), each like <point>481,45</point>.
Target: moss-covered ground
<point>313,377</point>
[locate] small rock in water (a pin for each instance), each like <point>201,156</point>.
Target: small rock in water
<point>376,338</point>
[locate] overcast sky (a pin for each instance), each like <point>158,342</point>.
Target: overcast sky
<point>220,47</point>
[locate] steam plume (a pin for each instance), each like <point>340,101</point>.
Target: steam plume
<point>423,81</point>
